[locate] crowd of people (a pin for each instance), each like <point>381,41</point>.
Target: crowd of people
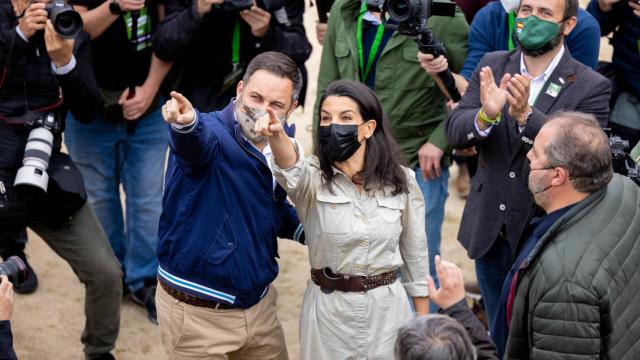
<point>552,229</point>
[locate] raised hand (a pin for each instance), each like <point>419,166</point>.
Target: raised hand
<point>492,97</point>
<point>178,110</point>
<point>451,288</point>
<point>204,6</point>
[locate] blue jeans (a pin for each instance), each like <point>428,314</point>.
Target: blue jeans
<point>491,271</point>
<point>435,195</point>
<point>107,157</point>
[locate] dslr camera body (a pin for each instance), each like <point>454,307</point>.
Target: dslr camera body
<point>622,162</point>
<point>239,5</point>
<point>66,21</point>
<point>409,17</point>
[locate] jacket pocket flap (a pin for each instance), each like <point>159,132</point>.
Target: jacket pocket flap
<point>342,49</point>
<point>333,199</point>
<point>391,202</point>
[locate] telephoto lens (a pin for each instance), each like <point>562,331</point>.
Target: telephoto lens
<point>15,270</point>
<point>36,160</point>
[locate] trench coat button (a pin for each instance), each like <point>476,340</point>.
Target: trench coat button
<point>502,207</point>
<point>364,243</point>
<point>512,174</point>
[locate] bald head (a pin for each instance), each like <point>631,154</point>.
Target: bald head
<point>577,143</point>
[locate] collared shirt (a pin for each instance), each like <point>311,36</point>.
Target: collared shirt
<point>538,82</point>
<point>535,85</point>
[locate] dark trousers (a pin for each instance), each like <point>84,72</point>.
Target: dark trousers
<point>83,244</point>
<point>491,271</point>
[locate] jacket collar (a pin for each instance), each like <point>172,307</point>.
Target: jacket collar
<point>570,217</point>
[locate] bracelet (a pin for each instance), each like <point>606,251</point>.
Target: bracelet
<point>487,120</point>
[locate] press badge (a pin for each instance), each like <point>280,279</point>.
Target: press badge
<point>553,90</point>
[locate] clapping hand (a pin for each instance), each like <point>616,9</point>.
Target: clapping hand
<point>518,97</point>
<point>492,97</point>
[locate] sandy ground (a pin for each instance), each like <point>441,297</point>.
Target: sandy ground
<point>48,324</point>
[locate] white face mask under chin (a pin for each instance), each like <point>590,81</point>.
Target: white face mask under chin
<point>510,5</point>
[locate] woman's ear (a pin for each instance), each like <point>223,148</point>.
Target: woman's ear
<point>369,128</point>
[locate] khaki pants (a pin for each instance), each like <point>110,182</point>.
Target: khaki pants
<point>192,332</point>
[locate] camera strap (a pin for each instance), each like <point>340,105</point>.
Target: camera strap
<point>235,45</point>
<point>512,25</point>
<point>375,46</point>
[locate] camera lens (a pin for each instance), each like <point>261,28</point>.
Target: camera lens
<point>14,269</point>
<point>66,21</point>
<point>36,160</point>
<point>401,10</point>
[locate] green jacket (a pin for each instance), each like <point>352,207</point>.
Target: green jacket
<point>411,99</point>
<point>577,292</point>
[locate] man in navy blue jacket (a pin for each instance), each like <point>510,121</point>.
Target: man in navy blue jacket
<point>222,213</point>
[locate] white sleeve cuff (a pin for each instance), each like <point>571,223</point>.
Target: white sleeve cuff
<point>183,129</point>
<point>21,34</point>
<point>65,69</point>
<point>483,133</point>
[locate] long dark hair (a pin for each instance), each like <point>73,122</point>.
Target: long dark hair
<point>382,158</point>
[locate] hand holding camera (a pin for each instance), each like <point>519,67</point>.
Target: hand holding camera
<point>257,19</point>
<point>178,110</point>
<point>204,6</point>
<point>34,19</point>
<point>130,5</point>
<point>60,49</point>
<point>433,65</point>
<point>6,298</point>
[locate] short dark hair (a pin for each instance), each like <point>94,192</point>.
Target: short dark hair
<point>580,146</point>
<point>570,8</point>
<point>382,157</point>
<point>278,64</point>
<point>434,337</point>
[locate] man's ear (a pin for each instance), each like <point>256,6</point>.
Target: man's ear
<point>293,107</point>
<point>562,177</point>
<point>569,25</point>
<point>239,89</point>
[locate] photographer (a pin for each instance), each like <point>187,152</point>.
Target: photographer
<point>6,309</point>
<point>622,18</point>
<point>43,76</point>
<point>212,43</point>
<point>127,142</point>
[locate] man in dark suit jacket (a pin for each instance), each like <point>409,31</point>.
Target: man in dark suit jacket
<point>501,120</point>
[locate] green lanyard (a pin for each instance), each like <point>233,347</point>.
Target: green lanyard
<point>364,71</point>
<point>512,25</point>
<point>235,46</point>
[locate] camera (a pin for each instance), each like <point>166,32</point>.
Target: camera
<point>37,151</point>
<point>239,5</point>
<point>409,17</point>
<point>622,162</point>
<point>66,21</point>
<point>15,270</point>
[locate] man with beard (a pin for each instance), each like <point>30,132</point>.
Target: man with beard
<point>221,215</point>
<point>502,120</point>
<point>570,292</point>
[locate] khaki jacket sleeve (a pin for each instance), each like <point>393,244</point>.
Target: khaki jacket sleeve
<point>413,241</point>
<point>299,181</point>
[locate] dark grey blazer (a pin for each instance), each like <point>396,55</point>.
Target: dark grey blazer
<point>499,193</point>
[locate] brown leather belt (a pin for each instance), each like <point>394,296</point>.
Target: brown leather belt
<point>193,300</point>
<point>328,280</point>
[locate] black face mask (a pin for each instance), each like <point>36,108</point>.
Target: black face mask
<point>340,142</point>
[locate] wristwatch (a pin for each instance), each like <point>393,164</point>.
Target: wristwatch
<point>525,119</point>
<point>115,8</point>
